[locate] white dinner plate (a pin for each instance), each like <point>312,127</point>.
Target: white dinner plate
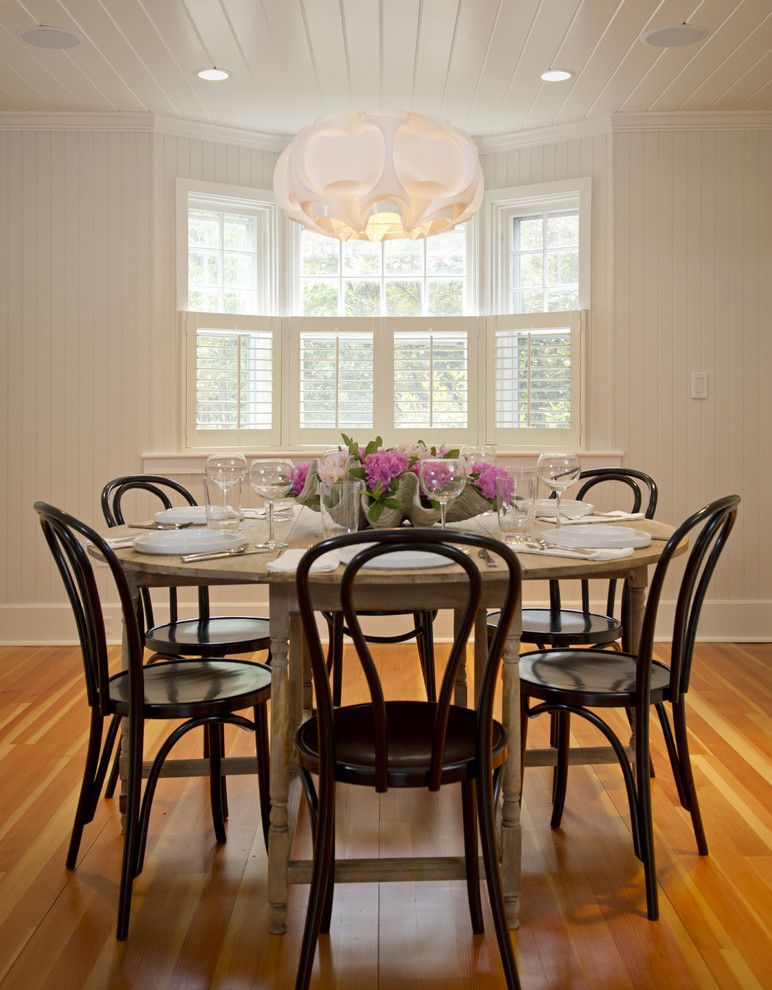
<point>195,514</point>
<point>547,507</point>
<point>176,541</point>
<point>399,560</point>
<point>599,536</point>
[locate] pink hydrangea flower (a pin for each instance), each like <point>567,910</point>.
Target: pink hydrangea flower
<point>484,479</point>
<point>301,473</point>
<point>384,466</point>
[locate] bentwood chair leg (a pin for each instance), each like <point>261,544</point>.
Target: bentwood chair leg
<point>425,642</point>
<point>329,894</point>
<point>672,753</point>
<point>486,816</point>
<point>85,809</point>
<point>524,718</point>
<point>469,808</point>
<point>223,778</point>
<point>561,771</point>
<point>115,769</point>
<point>324,861</point>
<point>645,825</point>
<point>131,837</point>
<point>263,768</point>
<point>685,763</point>
<point>215,780</point>
<point>337,659</point>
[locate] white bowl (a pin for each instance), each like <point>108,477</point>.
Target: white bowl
<point>546,508</point>
<point>178,541</point>
<point>599,536</point>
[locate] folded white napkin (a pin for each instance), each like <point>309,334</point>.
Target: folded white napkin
<point>287,562</point>
<point>595,517</point>
<point>119,542</point>
<point>605,554</point>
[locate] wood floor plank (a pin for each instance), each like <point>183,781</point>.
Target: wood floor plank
<point>199,916</point>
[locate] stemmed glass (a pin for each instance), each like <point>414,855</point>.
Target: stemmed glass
<point>442,479</point>
<point>272,480</point>
<point>558,470</point>
<point>226,471</point>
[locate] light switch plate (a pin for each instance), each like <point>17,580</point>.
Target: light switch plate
<point>699,384</point>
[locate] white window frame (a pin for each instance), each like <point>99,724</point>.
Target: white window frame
<point>201,439</point>
<point>502,205</point>
<point>529,438</point>
<point>220,197</point>
<point>471,279</point>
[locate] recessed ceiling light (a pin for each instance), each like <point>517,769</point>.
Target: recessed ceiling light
<point>48,37</point>
<point>213,75</point>
<point>556,75</point>
<point>674,37</point>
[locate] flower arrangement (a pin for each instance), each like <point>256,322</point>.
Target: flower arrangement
<point>391,479</point>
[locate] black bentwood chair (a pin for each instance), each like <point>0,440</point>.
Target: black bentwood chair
<point>204,692</point>
<point>570,682</point>
<point>384,744</point>
<point>205,635</point>
<point>560,627</point>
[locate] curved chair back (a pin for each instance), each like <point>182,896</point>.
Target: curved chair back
<point>61,532</point>
<point>378,544</point>
<point>714,523</point>
<point>111,500</point>
<point>644,493</point>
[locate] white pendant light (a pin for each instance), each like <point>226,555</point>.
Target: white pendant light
<point>373,176</point>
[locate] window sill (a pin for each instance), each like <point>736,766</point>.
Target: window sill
<point>193,463</point>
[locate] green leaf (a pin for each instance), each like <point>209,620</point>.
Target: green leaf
<point>375,511</point>
<point>357,472</point>
<point>347,440</point>
<point>377,490</point>
<point>452,453</point>
<point>392,503</point>
<point>372,446</point>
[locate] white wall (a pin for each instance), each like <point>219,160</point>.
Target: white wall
<point>681,274</point>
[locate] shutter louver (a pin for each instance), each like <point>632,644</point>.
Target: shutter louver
<point>533,379</point>
<point>336,380</point>
<point>234,380</point>
<point>431,380</point>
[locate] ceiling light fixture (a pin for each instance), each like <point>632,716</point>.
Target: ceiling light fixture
<point>375,176</point>
<point>48,37</point>
<point>556,75</point>
<point>674,37</point>
<point>213,75</point>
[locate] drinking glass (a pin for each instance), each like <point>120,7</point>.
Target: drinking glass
<point>227,472</point>
<point>226,517</point>
<point>442,479</point>
<point>558,470</point>
<point>482,454</point>
<point>272,480</point>
<point>339,504</point>
<point>516,501</point>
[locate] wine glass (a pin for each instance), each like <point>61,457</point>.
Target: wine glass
<point>481,454</point>
<point>226,471</point>
<point>272,480</point>
<point>442,479</point>
<point>558,470</point>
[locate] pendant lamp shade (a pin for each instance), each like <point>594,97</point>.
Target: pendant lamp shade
<point>374,176</point>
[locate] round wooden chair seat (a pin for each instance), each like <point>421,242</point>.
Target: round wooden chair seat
<point>594,678</point>
<point>215,636</point>
<point>566,627</point>
<point>184,688</point>
<point>411,733</point>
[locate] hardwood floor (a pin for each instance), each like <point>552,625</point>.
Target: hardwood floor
<point>199,916</point>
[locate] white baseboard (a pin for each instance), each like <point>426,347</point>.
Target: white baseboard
<point>747,621</point>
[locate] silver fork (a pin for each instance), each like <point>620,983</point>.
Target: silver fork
<point>538,543</point>
<point>157,525</point>
<point>485,554</point>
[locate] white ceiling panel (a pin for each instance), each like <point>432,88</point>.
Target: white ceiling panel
<point>476,62</point>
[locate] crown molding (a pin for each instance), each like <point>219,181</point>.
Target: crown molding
<point>491,143</point>
<point>140,123</point>
<point>35,120</point>
<point>150,123</point>
<point>694,120</point>
<point>259,140</point>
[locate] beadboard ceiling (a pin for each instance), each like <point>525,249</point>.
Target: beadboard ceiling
<point>475,62</point>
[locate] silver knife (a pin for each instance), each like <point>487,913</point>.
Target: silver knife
<point>219,555</point>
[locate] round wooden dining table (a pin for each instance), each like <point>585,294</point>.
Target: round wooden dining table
<point>403,591</point>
